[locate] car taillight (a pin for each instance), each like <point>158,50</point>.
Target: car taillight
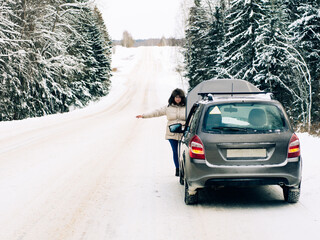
<point>196,149</point>
<point>294,147</point>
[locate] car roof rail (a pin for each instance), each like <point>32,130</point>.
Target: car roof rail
<point>210,95</point>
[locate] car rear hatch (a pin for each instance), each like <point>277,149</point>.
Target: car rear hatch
<point>249,149</point>
<point>245,134</point>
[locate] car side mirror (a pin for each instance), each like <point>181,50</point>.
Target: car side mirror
<point>176,128</point>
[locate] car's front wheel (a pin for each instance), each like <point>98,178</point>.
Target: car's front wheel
<point>291,194</point>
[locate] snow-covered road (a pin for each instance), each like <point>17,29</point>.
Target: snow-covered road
<point>100,173</point>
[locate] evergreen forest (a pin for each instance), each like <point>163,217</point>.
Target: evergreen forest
<point>274,44</point>
<point>55,55</point>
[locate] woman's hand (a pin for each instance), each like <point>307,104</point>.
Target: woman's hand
<point>139,116</point>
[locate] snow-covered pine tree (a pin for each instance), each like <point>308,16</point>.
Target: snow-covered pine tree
<point>41,71</point>
<point>306,38</point>
<point>19,71</point>
<point>9,51</point>
<point>281,68</point>
<point>104,50</point>
<point>195,52</point>
<point>89,45</point>
<point>215,39</point>
<point>260,48</point>
<point>289,9</point>
<point>54,65</point>
<point>271,59</point>
<point>298,78</point>
<point>239,51</point>
<point>107,42</point>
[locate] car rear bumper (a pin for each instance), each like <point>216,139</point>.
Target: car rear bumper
<point>200,174</point>
<point>240,182</point>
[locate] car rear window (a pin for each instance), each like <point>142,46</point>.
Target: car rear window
<point>244,117</point>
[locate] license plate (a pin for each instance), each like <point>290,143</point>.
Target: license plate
<point>246,153</point>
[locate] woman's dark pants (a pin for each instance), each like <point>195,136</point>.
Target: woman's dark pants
<point>174,146</point>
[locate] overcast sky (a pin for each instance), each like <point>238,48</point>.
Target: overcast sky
<point>141,18</point>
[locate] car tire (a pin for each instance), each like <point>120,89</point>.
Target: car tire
<point>189,199</point>
<point>291,194</point>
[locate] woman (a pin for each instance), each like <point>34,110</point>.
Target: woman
<point>176,113</point>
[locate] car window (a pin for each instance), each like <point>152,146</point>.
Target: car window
<point>244,117</point>
<point>194,120</point>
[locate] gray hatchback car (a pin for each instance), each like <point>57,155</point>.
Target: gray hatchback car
<point>237,135</point>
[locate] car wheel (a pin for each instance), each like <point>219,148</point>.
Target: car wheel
<point>189,199</point>
<point>291,194</point>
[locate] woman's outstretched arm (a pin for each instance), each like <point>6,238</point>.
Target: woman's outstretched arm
<point>156,113</point>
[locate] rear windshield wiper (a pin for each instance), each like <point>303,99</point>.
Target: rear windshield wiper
<point>234,129</point>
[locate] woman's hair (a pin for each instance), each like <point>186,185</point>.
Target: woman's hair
<point>180,93</point>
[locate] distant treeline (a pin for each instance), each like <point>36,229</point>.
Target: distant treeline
<point>154,42</point>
